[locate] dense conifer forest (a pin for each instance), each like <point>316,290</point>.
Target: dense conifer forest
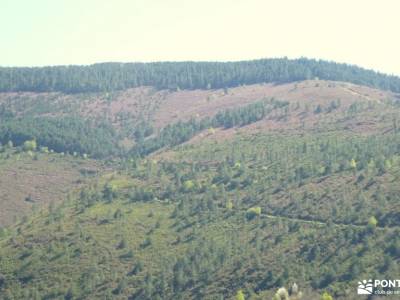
<point>186,75</point>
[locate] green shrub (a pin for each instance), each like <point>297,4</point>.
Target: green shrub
<point>30,145</point>
<point>253,212</point>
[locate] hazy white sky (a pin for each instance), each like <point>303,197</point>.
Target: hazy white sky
<point>53,32</point>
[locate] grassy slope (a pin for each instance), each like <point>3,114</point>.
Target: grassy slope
<point>165,107</point>
<point>44,178</point>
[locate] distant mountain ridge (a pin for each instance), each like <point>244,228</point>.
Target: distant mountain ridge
<point>185,75</point>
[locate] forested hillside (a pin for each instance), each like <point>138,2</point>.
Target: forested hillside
<point>185,75</point>
<point>173,181</point>
<point>253,214</point>
<point>67,134</point>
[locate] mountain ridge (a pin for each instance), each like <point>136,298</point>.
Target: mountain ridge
<point>186,75</point>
